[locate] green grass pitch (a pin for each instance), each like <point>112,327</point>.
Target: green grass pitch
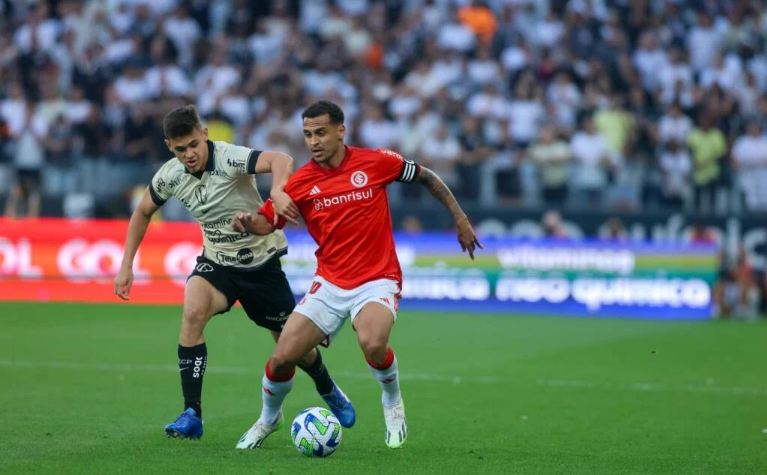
<point>88,388</point>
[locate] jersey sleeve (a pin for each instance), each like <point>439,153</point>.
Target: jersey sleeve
<point>267,210</point>
<point>240,161</point>
<point>395,167</point>
<point>158,187</point>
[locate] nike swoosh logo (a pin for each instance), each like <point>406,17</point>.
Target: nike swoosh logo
<point>204,211</point>
<point>182,369</point>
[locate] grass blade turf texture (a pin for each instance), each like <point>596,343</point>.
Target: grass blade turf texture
<point>88,389</point>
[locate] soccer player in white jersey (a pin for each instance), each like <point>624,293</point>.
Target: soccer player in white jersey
<point>215,181</point>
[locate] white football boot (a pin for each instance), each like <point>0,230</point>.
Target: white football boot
<point>255,436</point>
<point>396,425</point>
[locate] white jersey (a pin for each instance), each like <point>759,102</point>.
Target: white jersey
<point>226,187</point>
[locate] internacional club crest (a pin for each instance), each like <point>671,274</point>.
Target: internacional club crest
<point>359,179</point>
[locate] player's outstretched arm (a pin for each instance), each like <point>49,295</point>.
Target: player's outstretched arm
<point>280,165</point>
<point>139,222</point>
<point>439,190</point>
<point>247,223</point>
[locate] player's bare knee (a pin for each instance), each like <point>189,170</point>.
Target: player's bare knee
<point>194,320</point>
<point>194,316</point>
<point>282,362</point>
<point>374,348</point>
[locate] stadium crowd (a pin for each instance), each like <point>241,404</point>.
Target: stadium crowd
<point>627,104</point>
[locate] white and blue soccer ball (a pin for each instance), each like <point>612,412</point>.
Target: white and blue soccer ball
<point>316,432</point>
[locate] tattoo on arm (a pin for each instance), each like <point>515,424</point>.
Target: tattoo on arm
<point>439,190</point>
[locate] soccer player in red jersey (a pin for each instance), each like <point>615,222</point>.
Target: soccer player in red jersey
<point>341,194</point>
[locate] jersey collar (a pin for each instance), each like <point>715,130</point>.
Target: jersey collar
<point>210,165</point>
<point>329,171</point>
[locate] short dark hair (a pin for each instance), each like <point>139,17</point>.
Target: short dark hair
<point>181,122</point>
<point>320,108</point>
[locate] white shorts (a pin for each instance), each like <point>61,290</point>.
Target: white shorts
<point>329,306</point>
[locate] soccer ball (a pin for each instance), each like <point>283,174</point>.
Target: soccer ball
<point>316,432</point>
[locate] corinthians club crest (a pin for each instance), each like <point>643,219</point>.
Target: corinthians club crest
<point>201,193</point>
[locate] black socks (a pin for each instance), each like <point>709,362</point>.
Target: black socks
<point>319,373</point>
<point>192,361</point>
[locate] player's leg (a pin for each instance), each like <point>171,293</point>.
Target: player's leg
<point>327,388</point>
<point>267,299</point>
<point>299,336</point>
<point>373,322</point>
<point>202,300</point>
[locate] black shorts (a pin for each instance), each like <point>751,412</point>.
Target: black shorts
<point>264,292</point>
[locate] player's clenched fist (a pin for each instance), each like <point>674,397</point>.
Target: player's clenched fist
<point>123,282</point>
<point>243,222</point>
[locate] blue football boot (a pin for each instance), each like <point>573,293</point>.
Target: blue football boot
<point>186,426</point>
<point>341,406</point>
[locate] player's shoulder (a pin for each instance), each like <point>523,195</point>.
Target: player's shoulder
<point>171,168</point>
<point>390,153</point>
<point>223,151</point>
<point>166,178</point>
<point>374,156</point>
<point>231,160</point>
<point>305,175</point>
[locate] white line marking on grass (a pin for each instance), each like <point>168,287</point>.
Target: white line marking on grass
<point>436,378</point>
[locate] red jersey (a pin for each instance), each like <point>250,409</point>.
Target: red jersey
<point>346,211</point>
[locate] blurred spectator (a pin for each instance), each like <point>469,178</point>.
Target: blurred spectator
<point>5,168</point>
<point>93,138</point>
<point>475,151</point>
<point>483,68</point>
<point>441,152</point>
<point>700,234</point>
<point>219,128</point>
<point>455,35</point>
<point>24,199</point>
<point>709,146</point>
<point>479,19</point>
<point>525,114</point>
<point>676,164</point>
<point>594,164</point>
<point>29,161</point>
<point>553,159</point>
<point>749,156</point>
<point>60,175</point>
<point>736,292</point>
<point>614,231</point>
<point>376,131</point>
<point>616,125</point>
<point>488,103</point>
<point>649,73</point>
<point>184,31</point>
<point>649,59</point>
<point>564,95</point>
<point>703,42</point>
<point>553,226</point>
<point>674,126</point>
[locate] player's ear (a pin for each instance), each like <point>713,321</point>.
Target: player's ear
<point>205,133</point>
<point>167,144</point>
<point>341,131</point>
